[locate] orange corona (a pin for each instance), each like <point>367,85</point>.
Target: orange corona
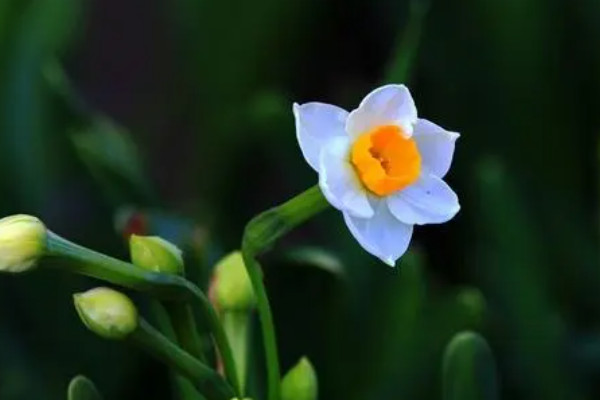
<point>385,160</point>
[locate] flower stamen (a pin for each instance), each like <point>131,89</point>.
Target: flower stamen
<point>386,160</point>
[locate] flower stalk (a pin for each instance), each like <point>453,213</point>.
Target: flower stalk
<point>184,325</point>
<point>236,326</point>
<point>206,380</point>
<point>183,388</point>
<point>153,253</point>
<point>88,262</point>
<point>260,233</point>
<point>233,297</point>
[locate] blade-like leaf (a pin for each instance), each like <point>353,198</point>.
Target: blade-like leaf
<point>81,388</point>
<point>469,370</point>
<point>113,158</point>
<point>313,257</point>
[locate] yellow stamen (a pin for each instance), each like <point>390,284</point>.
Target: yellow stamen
<point>386,160</point>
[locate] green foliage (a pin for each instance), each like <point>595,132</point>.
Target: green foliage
<point>112,158</point>
<point>314,257</point>
<point>469,369</point>
<point>183,110</point>
<point>81,388</point>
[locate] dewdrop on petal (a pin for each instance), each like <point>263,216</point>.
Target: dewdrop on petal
<point>231,287</point>
<point>22,243</point>
<point>300,383</point>
<point>106,312</point>
<point>155,254</point>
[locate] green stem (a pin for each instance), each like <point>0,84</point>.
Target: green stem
<point>235,324</point>
<point>206,380</point>
<point>182,386</point>
<point>261,232</point>
<point>82,260</point>
<point>408,43</point>
<point>184,324</point>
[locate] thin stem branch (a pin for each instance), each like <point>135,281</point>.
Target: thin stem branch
<point>206,380</point>
<point>183,388</point>
<point>184,324</point>
<point>261,232</point>
<point>78,259</point>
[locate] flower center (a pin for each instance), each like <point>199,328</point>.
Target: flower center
<point>385,160</point>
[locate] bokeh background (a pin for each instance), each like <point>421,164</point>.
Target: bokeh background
<point>174,118</point>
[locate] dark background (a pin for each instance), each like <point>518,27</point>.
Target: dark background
<point>180,112</point>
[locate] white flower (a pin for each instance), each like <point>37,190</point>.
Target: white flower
<point>381,166</point>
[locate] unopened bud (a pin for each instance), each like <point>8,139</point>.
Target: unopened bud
<point>300,383</point>
<point>22,242</point>
<point>106,312</point>
<point>231,287</point>
<point>155,254</point>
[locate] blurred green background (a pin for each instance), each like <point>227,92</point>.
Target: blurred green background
<point>174,117</point>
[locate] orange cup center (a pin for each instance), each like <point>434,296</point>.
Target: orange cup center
<point>385,160</point>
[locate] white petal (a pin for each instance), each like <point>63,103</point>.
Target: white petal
<point>387,105</point>
<point>338,180</point>
<point>316,123</point>
<point>382,235</point>
<point>436,146</point>
<point>429,201</point>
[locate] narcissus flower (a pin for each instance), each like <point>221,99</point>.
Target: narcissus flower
<point>381,166</point>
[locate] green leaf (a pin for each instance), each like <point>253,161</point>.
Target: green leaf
<point>403,59</point>
<point>314,257</point>
<point>469,370</point>
<point>113,158</point>
<point>81,388</point>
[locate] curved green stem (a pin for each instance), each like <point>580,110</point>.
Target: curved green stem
<point>183,388</point>
<point>184,324</point>
<point>206,380</point>
<point>78,259</point>
<point>261,232</point>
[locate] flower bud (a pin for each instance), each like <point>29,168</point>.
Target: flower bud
<point>106,312</point>
<point>155,254</point>
<point>231,287</point>
<point>22,242</point>
<point>300,383</point>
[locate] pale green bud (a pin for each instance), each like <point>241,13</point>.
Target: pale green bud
<point>106,312</point>
<point>231,287</point>
<point>22,242</point>
<point>155,254</point>
<point>300,383</point>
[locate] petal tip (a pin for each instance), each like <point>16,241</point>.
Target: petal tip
<point>390,262</point>
<point>296,108</point>
<point>453,135</point>
<point>456,210</point>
